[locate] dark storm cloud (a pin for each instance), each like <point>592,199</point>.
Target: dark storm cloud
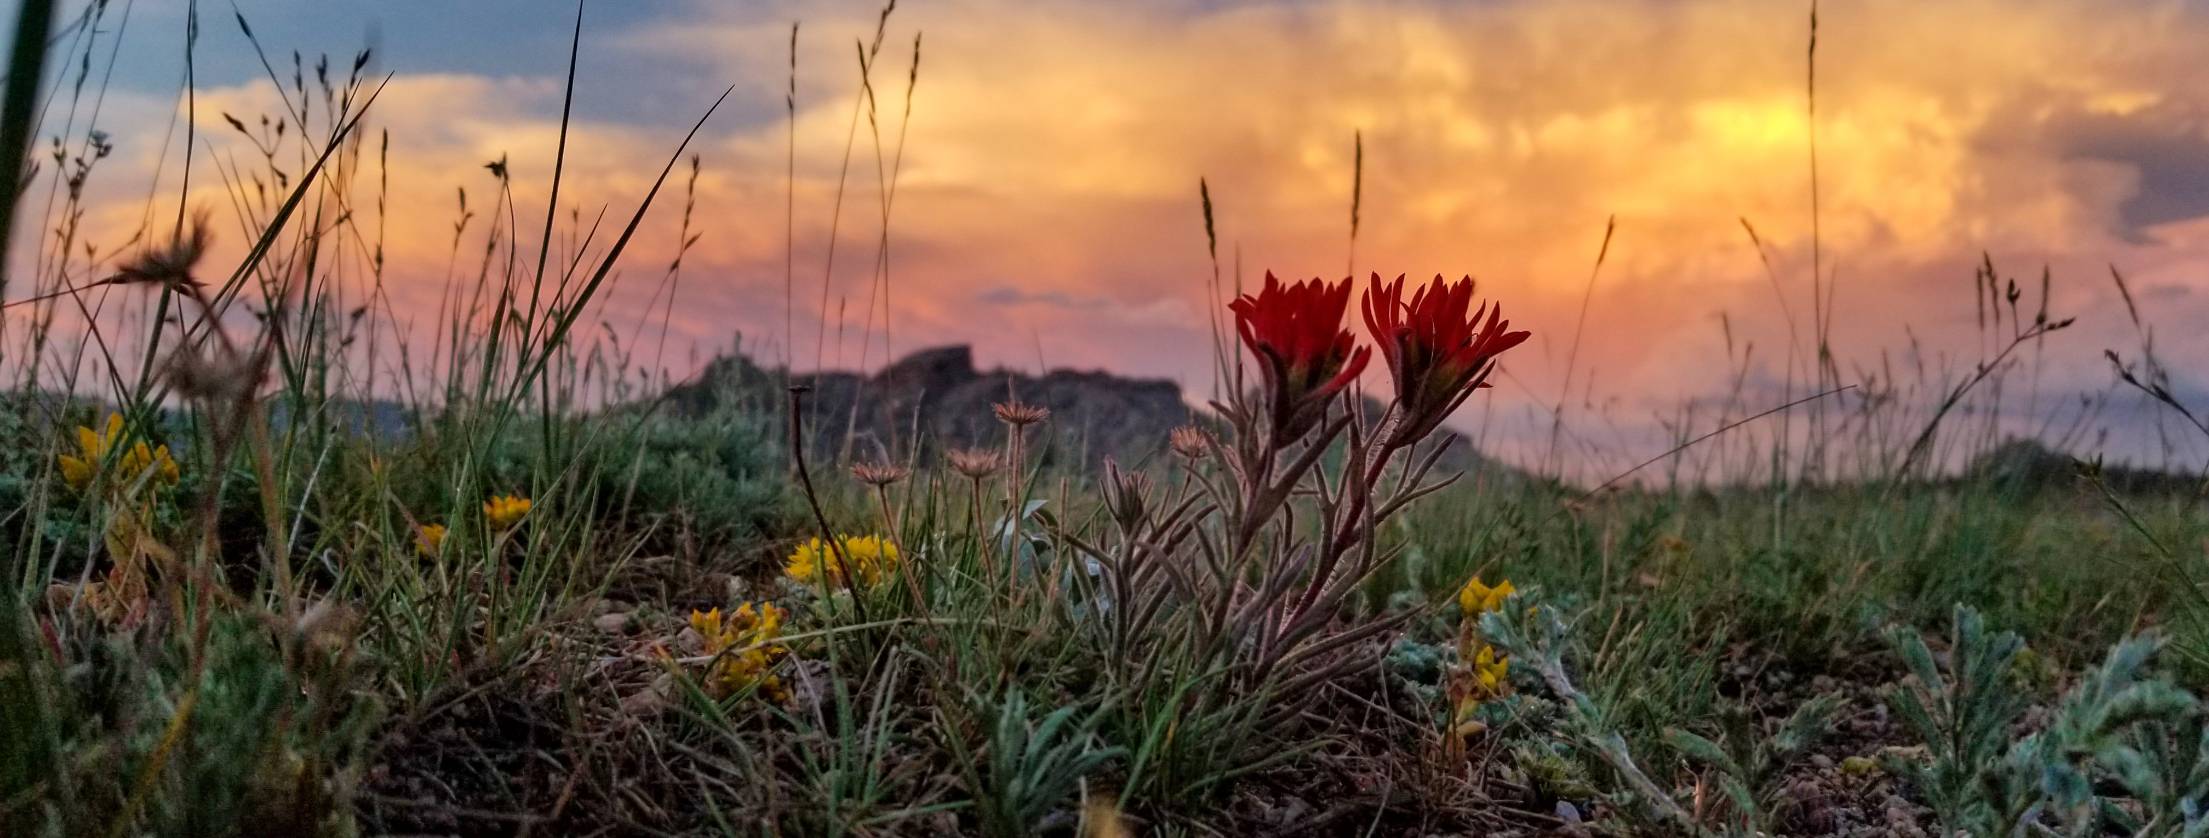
<point>2166,144</point>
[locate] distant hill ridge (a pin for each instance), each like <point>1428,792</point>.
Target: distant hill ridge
<point>2024,463</point>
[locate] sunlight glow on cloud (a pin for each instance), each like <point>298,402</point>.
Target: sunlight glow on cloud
<point>1046,195</point>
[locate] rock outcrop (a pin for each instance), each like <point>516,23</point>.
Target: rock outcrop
<point>937,399</point>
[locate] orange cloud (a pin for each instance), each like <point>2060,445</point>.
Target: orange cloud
<point>1046,193</point>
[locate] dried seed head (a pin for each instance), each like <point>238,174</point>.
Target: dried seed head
<point>327,625</point>
<point>879,474</point>
<point>196,375</point>
<point>1019,414</point>
<point>170,264</point>
<point>1191,442</point>
<point>1127,495</point>
<point>976,463</point>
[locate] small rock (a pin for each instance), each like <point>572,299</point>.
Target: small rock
<point>650,701</point>
<point>1902,818</point>
<point>616,622</point>
<point>807,681</point>
<point>690,641</point>
<point>1567,812</point>
<point>1822,761</point>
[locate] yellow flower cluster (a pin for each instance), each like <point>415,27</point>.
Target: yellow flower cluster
<point>1476,599</point>
<point>430,541</point>
<point>140,460</point>
<point>870,558</point>
<point>1482,673</point>
<point>1490,674</point>
<point>744,648</point>
<point>504,511</point>
<point>105,462</point>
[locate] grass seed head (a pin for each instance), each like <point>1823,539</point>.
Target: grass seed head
<point>879,474</point>
<point>976,463</point>
<point>1020,414</point>
<point>1191,442</point>
<point>170,264</point>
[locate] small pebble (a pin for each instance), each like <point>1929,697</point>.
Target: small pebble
<point>1567,812</point>
<point>614,623</point>
<point>651,700</point>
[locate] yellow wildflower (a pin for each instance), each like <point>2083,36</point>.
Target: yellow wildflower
<point>743,648</point>
<point>1491,673</point>
<point>1478,598</point>
<point>1485,677</point>
<point>504,511</point>
<point>430,541</point>
<point>140,460</point>
<point>870,558</point>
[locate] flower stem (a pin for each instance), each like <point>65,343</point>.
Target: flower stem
<point>805,481</point>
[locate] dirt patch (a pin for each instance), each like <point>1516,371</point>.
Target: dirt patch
<point>1838,788</point>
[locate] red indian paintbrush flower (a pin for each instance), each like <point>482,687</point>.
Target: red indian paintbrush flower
<point>1439,348</point>
<point>1307,356</point>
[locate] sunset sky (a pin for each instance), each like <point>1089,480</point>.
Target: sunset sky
<point>1046,206</point>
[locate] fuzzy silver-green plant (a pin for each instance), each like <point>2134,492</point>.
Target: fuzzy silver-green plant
<point>2122,752</point>
<point>1535,636</point>
<point>1750,766</point>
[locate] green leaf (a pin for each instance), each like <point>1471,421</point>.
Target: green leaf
<point>1700,749</point>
